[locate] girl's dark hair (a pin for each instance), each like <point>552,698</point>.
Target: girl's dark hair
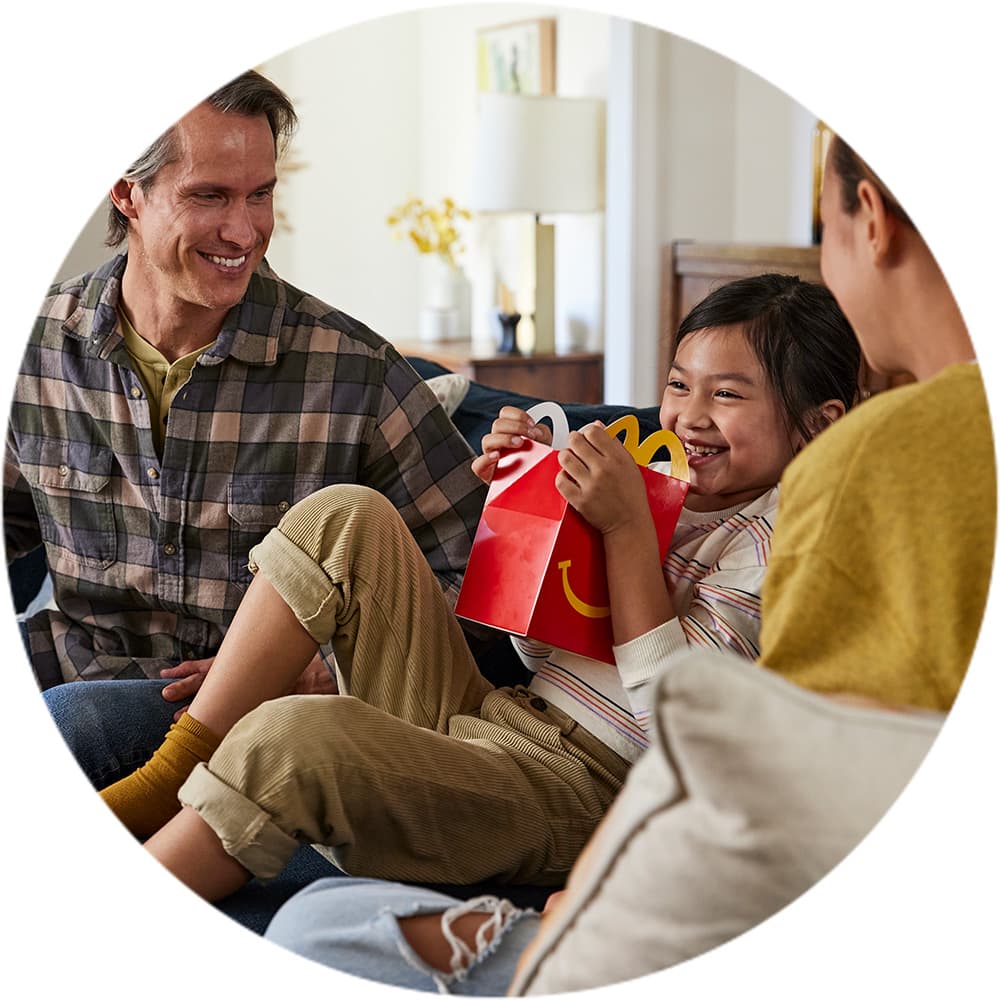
<point>799,335</point>
<point>851,169</point>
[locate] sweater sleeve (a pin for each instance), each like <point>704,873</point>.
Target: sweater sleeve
<point>715,575</point>
<point>640,661</point>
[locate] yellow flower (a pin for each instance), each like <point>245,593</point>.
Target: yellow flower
<point>431,229</point>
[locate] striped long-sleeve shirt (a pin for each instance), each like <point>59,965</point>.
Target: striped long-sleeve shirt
<point>148,555</point>
<point>714,572</point>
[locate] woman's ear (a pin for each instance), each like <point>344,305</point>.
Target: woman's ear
<point>121,197</point>
<point>879,223</point>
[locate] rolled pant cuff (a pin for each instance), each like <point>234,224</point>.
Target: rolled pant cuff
<point>299,581</point>
<point>247,832</point>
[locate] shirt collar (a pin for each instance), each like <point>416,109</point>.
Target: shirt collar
<point>249,332</point>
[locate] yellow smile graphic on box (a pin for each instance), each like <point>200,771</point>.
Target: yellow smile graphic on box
<point>579,606</point>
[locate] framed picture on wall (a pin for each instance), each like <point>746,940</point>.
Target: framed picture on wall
<point>518,58</point>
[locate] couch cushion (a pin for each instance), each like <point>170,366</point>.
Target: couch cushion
<point>751,791</point>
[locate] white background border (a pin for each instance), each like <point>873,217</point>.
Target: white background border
<point>912,911</point>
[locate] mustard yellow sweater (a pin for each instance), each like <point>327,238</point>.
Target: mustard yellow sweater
<point>883,548</point>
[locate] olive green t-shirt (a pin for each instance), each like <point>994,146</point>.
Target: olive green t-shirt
<point>160,378</point>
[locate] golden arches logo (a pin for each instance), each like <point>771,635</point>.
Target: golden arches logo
<point>579,606</point>
<point>643,451</point>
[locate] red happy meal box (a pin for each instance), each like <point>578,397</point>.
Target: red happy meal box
<point>537,567</point>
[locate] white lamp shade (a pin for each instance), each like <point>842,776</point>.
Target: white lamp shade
<point>538,154</point>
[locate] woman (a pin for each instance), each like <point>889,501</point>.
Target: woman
<point>881,564</point>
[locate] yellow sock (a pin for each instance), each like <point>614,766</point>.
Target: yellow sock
<point>147,798</point>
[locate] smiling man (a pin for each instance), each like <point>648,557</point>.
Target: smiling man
<point>172,405</point>
<point>199,230</point>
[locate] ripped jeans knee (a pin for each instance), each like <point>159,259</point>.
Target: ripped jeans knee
<point>359,926</point>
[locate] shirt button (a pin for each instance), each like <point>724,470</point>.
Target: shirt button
<point>170,549</point>
<point>152,473</point>
<point>283,506</point>
<point>63,470</point>
<point>538,704</point>
<point>136,392</point>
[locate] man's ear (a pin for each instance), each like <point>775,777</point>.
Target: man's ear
<point>879,224</point>
<point>121,197</point>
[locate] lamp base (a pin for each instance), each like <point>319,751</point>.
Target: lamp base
<point>508,333</point>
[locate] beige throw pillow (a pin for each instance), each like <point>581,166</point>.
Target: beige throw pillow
<point>751,791</point>
<point>450,390</point>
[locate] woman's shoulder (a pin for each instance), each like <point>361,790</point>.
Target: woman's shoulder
<point>894,436</point>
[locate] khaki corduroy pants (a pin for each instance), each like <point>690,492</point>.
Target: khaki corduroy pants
<point>419,770</point>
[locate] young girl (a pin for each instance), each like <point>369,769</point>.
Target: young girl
<point>420,770</point>
<point>760,366</point>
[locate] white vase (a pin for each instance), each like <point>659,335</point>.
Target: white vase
<point>447,311</point>
<point>438,325</point>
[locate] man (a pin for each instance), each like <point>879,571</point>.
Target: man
<point>172,405</point>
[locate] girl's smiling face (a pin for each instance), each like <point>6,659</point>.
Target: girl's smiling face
<point>720,403</point>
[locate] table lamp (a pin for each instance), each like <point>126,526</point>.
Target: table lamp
<point>539,155</point>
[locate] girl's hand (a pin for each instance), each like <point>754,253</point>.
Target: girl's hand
<point>600,479</point>
<point>510,430</point>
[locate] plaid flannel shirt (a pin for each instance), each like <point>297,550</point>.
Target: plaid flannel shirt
<point>148,556</point>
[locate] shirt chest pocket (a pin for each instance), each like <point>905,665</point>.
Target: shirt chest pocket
<point>256,504</point>
<point>72,488</point>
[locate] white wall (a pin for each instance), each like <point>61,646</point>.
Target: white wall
<point>697,141</point>
<point>583,53</point>
<point>388,109</point>
<point>735,152</point>
<point>772,197</point>
<point>635,193</point>
<point>88,250</point>
<point>356,91</point>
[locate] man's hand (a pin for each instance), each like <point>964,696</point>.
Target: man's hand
<point>315,679</point>
<point>192,674</point>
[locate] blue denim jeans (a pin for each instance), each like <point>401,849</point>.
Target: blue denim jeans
<point>352,925</point>
<point>111,727</point>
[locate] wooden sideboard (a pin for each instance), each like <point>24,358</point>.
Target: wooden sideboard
<point>571,377</point>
